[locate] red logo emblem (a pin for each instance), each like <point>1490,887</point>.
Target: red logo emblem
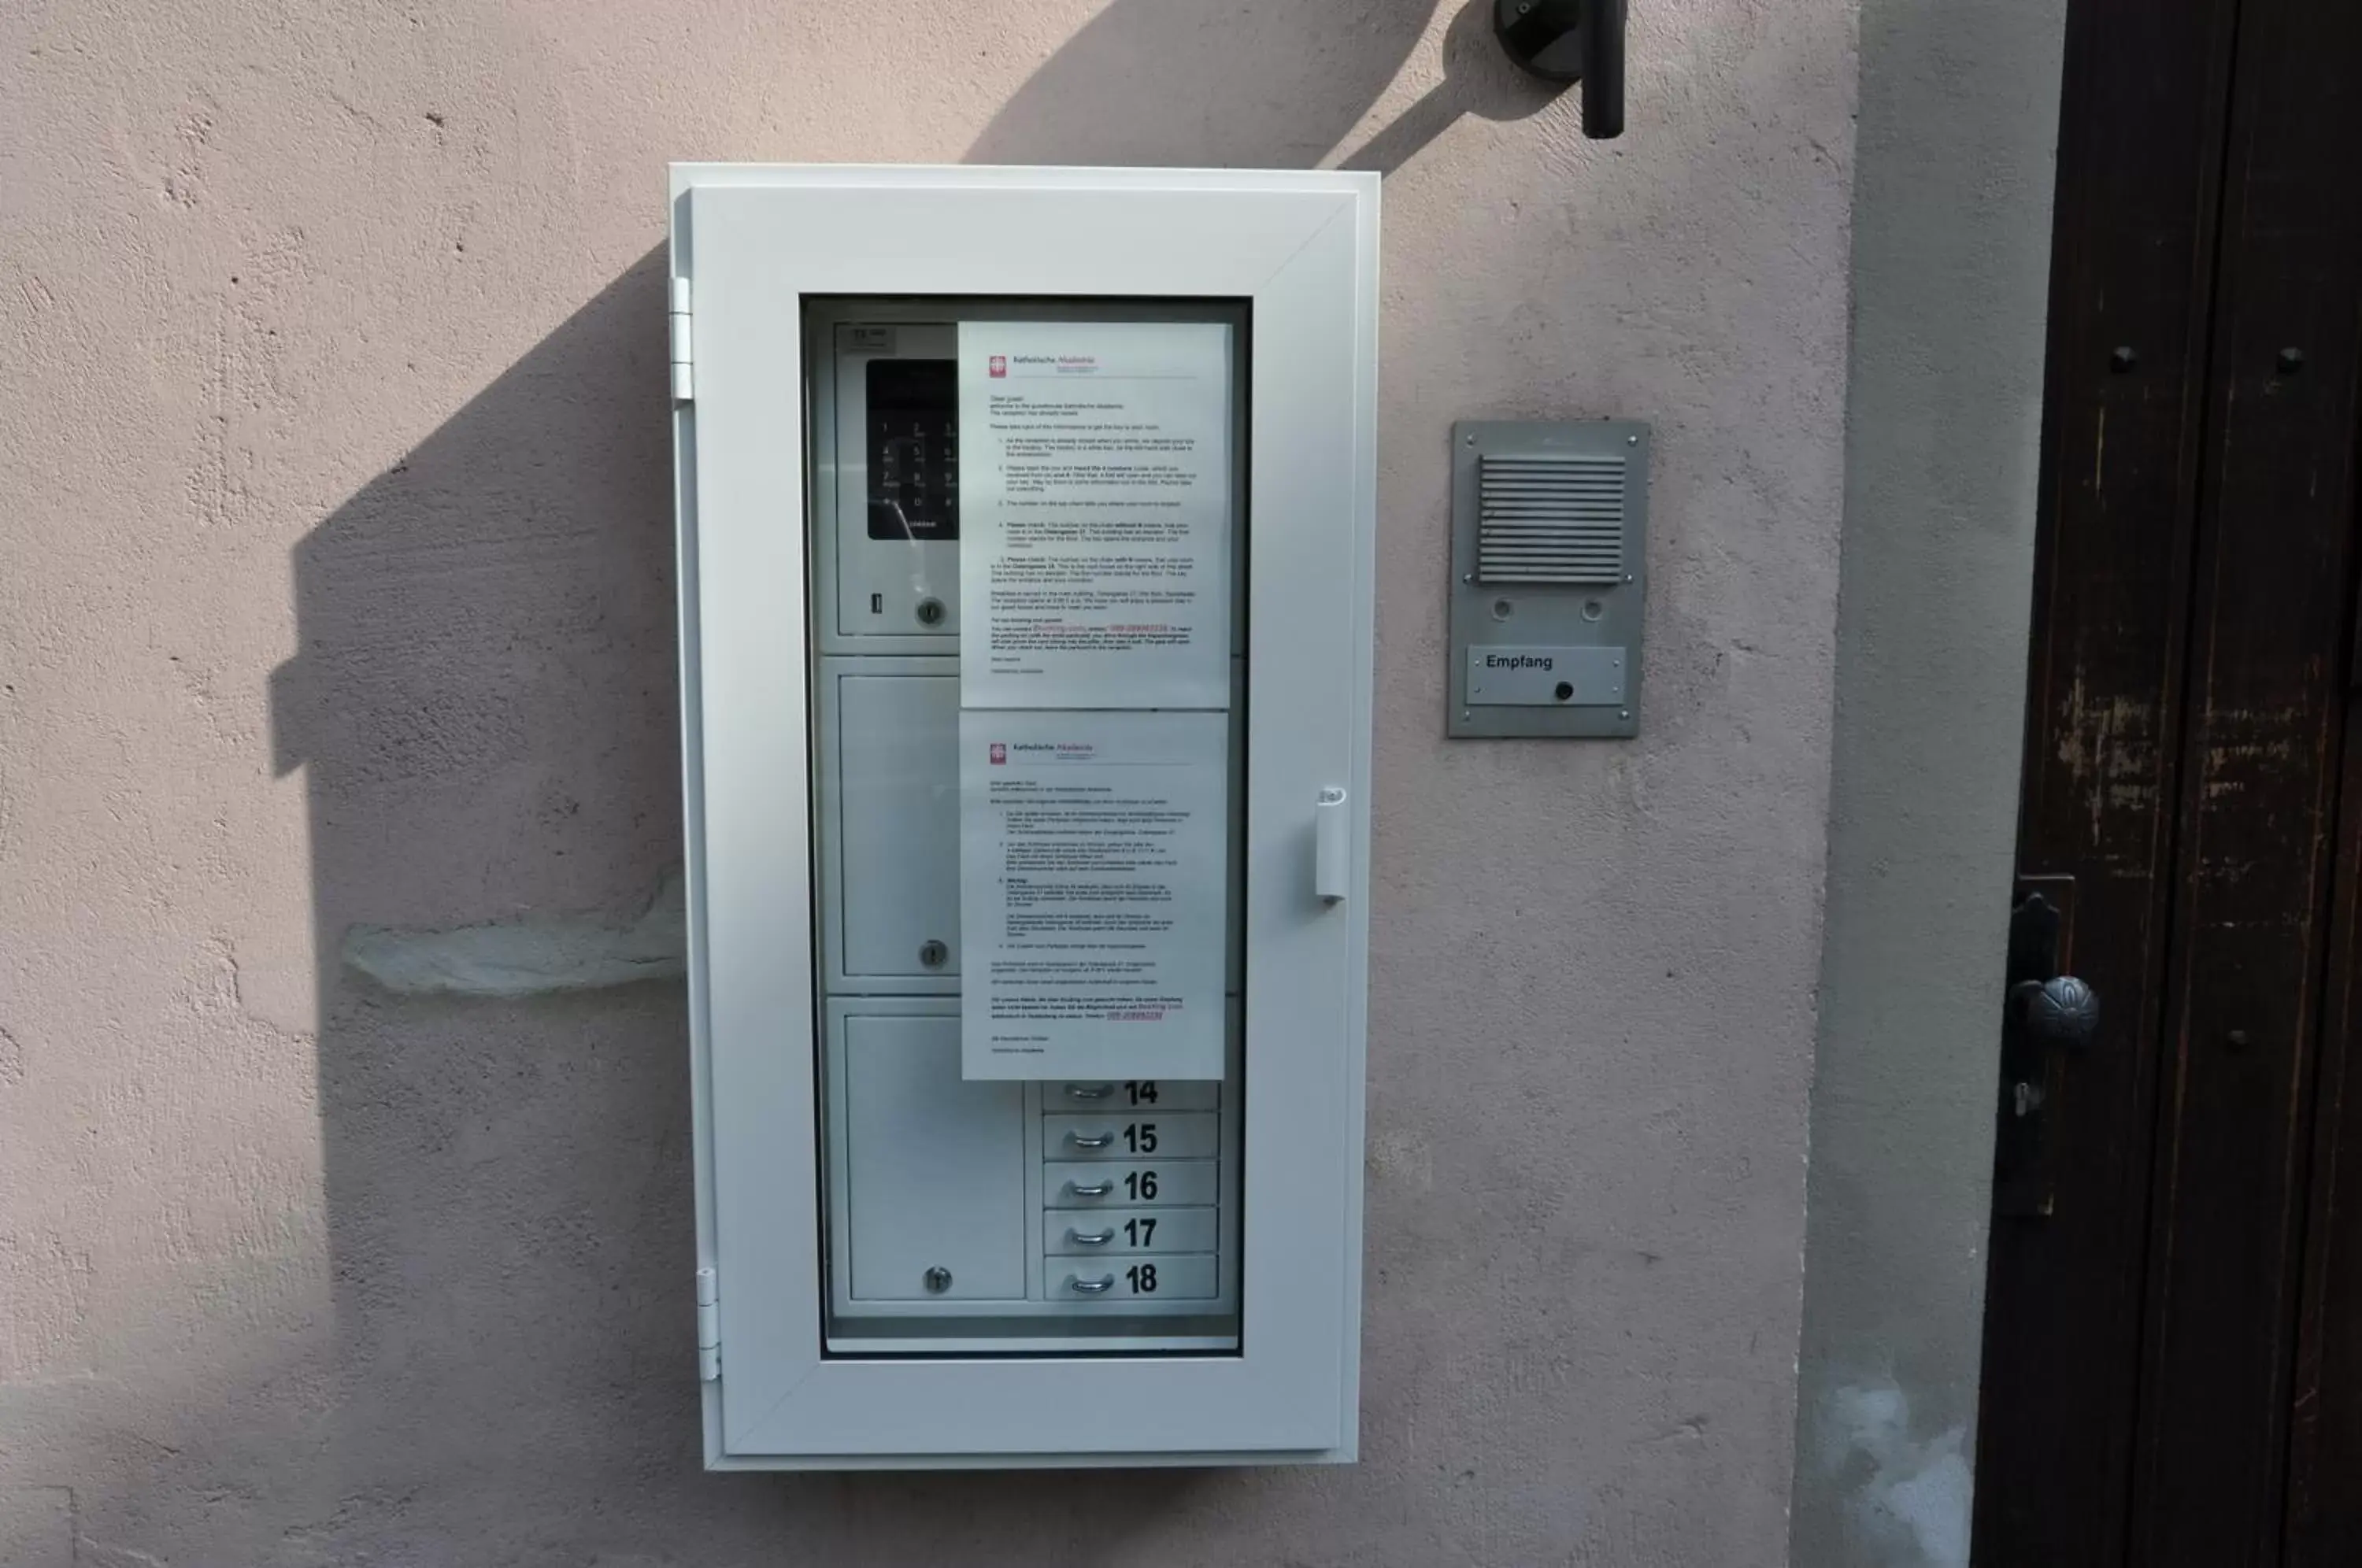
<point>999,367</point>
<point>999,754</point>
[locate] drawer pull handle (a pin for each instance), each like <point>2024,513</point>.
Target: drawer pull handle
<point>1089,1091</point>
<point>1092,1287</point>
<point>1076,1238</point>
<point>1096,1189</point>
<point>1079,1142</point>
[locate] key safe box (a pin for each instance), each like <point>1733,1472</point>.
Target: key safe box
<point>1025,528</point>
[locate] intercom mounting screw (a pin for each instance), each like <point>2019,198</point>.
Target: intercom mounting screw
<point>1631,440</point>
<point>1622,713</point>
<point>939,1279</point>
<point>1472,440</point>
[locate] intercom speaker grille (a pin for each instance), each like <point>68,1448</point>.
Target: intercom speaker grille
<point>1550,517</point>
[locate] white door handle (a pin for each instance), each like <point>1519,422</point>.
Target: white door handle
<point>1333,870</point>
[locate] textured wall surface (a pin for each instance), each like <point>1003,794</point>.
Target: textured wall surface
<point>336,617</point>
<point>1951,262</point>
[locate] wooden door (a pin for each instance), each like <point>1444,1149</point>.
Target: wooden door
<point>2173,1332</point>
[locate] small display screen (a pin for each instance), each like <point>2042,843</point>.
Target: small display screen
<point>913,449</point>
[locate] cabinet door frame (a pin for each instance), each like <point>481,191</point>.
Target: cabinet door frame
<point>1301,247</point>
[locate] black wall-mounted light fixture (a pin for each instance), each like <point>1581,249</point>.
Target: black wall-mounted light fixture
<point>1571,41</point>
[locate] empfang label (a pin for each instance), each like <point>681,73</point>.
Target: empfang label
<point>1518,661</point>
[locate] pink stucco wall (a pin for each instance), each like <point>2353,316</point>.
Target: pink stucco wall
<point>336,593</point>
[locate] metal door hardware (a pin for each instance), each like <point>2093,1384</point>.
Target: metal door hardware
<point>2047,1018</point>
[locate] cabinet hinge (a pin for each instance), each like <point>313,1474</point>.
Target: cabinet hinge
<point>684,369</point>
<point>709,1327</point>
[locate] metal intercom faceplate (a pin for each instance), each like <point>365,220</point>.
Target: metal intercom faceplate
<point>1548,575</point>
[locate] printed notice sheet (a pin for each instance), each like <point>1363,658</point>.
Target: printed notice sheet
<point>1093,870</point>
<point>1095,515</point>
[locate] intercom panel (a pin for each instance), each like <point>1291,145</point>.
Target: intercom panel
<point>891,441</point>
<point>1550,528</point>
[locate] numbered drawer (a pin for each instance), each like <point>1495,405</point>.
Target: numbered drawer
<point>1114,1232</point>
<point>1131,1095</point>
<point>1175,1183</point>
<point>1130,1135</point>
<point>1169,1277</point>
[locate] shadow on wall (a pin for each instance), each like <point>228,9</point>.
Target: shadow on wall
<point>1251,83</point>
<point>484,705</point>
<point>484,702</point>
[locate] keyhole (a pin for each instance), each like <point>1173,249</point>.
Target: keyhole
<point>931,611</point>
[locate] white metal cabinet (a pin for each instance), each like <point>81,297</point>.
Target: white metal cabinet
<point>820,1025</point>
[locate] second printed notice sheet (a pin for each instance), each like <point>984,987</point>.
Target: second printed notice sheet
<point>1095,682</point>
